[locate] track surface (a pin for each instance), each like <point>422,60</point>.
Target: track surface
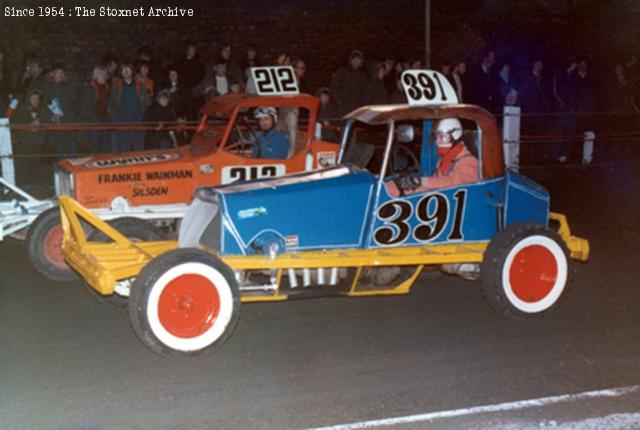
<point>66,362</point>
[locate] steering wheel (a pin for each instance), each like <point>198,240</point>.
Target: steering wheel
<point>245,142</point>
<point>406,178</point>
<point>241,146</point>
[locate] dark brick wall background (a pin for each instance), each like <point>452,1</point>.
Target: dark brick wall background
<point>321,32</point>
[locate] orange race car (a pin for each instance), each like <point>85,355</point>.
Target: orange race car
<point>134,188</point>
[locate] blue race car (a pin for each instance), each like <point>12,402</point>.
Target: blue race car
<point>339,231</point>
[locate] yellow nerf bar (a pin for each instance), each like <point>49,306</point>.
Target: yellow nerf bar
<point>102,264</point>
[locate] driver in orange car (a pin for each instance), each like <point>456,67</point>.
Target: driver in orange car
<point>272,143</point>
<point>456,166</point>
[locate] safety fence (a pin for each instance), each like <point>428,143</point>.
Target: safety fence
<point>530,140</point>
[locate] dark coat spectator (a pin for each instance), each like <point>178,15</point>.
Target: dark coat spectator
<point>398,96</point>
<point>234,68</point>
<point>507,86</point>
<point>534,90</point>
<point>390,76</point>
<point>95,109</point>
<point>327,111</point>
<point>349,86</point>
<point>483,86</point>
<point>564,92</point>
<point>160,111</point>
<point>251,60</point>
<point>190,69</point>
<point>584,89</point>
<point>376,90</point>
<point>618,95</point>
<point>32,79</point>
<point>62,97</point>
<point>32,111</point>
<point>180,95</point>
<point>128,100</point>
<point>110,62</point>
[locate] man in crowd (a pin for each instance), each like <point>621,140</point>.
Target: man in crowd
<point>61,97</point>
<point>95,102</point>
<point>128,100</point>
<point>32,78</point>
<point>376,89</point>
<point>483,88</point>
<point>214,84</point>
<point>349,87</point>
<point>233,66</point>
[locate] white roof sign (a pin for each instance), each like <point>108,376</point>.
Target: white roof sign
<point>274,81</point>
<point>428,88</point>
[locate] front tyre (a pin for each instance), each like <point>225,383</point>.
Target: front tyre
<point>525,270</point>
<point>184,303</point>
<point>44,247</point>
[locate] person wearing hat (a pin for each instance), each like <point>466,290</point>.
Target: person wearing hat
<point>349,86</point>
<point>457,165</point>
<point>160,112</point>
<point>272,143</point>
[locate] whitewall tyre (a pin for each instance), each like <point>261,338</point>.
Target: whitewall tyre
<point>184,302</point>
<point>525,271</point>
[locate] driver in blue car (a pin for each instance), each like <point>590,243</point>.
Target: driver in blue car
<point>272,143</point>
<point>457,165</point>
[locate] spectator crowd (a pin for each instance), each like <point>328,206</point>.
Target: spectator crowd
<point>150,90</point>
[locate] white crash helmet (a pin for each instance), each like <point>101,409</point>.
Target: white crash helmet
<point>262,112</point>
<point>451,126</point>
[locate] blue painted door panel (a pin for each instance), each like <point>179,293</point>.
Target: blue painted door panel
<point>466,213</point>
<point>323,214</point>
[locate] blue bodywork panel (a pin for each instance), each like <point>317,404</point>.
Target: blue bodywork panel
<point>349,208</point>
<point>326,213</point>
<point>525,201</point>
<point>466,213</point>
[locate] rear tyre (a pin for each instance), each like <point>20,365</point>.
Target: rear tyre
<point>525,271</point>
<point>184,303</point>
<point>136,229</point>
<point>44,247</point>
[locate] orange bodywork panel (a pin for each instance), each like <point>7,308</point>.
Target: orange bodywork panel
<point>170,176</point>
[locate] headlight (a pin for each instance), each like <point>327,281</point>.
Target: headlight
<point>63,180</point>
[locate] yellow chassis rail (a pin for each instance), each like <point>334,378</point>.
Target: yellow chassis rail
<point>102,264</point>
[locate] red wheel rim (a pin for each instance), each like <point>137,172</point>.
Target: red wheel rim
<point>52,247</point>
<point>188,306</point>
<point>533,273</point>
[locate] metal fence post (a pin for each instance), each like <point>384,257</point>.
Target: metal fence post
<point>6,153</point>
<point>511,137</point>
<point>587,147</point>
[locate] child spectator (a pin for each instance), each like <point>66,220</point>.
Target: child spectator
<point>160,111</point>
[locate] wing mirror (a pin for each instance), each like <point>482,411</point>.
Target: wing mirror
<point>405,133</point>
